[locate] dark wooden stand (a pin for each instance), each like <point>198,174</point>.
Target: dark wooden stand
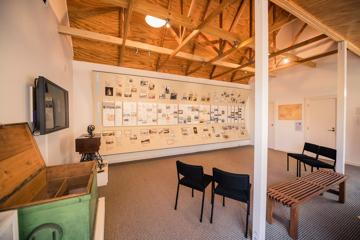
<point>88,147</point>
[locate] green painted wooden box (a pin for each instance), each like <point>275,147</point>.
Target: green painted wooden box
<point>57,202</point>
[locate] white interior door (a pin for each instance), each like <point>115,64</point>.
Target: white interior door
<point>320,121</point>
<point>271,127</point>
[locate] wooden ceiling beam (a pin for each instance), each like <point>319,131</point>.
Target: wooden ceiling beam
<point>314,22</point>
<point>245,43</point>
<point>221,54</point>
<point>147,8</point>
<point>162,38</point>
<point>318,56</point>
<point>204,23</point>
<point>298,45</point>
<point>237,16</point>
<point>99,37</point>
<point>277,53</point>
<point>128,14</point>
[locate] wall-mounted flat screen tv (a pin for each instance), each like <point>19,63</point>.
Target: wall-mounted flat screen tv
<point>52,106</point>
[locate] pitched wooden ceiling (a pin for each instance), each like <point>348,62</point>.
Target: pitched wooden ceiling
<point>207,38</point>
<point>340,19</point>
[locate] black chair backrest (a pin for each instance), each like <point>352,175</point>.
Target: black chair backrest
<point>192,172</point>
<point>328,152</point>
<point>232,181</point>
<point>309,147</point>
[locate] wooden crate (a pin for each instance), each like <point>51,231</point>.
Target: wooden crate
<point>57,202</point>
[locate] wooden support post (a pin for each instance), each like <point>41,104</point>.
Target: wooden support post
<point>294,222</point>
<point>261,118</point>
<point>341,106</point>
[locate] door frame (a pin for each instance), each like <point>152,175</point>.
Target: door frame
<point>306,111</point>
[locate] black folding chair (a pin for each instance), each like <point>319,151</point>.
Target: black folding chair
<point>300,157</point>
<point>231,185</point>
<point>329,153</point>
<point>194,178</point>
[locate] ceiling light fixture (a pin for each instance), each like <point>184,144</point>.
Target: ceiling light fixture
<point>286,60</point>
<point>155,22</point>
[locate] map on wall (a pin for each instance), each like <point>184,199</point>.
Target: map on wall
<point>290,112</point>
<point>141,113</point>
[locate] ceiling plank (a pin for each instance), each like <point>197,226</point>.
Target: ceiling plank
<point>312,21</point>
<point>129,11</point>
<point>99,37</point>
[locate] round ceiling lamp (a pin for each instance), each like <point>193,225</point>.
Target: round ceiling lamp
<point>286,60</point>
<point>155,22</point>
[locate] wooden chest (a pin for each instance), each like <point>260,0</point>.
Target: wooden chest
<point>57,202</point>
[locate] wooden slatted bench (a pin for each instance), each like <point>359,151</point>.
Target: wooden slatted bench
<point>301,190</point>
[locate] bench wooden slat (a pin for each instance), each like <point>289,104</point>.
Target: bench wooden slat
<point>303,188</point>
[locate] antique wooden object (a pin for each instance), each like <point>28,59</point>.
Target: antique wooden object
<point>57,202</point>
<point>302,190</point>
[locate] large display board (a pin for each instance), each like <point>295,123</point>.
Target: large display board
<point>136,113</point>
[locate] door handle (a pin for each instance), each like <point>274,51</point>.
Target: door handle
<point>332,130</point>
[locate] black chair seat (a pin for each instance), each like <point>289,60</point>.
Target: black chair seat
<point>198,185</point>
<point>317,163</point>
<point>240,195</point>
<point>301,157</point>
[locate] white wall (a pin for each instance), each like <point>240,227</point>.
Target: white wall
<point>83,105</point>
<point>294,84</point>
<point>30,46</point>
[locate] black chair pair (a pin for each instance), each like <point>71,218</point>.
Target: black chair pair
<point>230,185</point>
<point>313,161</point>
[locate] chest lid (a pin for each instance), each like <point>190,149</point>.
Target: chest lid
<point>20,158</point>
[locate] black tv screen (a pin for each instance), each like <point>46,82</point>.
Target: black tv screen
<point>52,106</point>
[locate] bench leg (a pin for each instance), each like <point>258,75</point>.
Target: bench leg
<point>342,189</point>
<point>269,212</point>
<point>294,220</point>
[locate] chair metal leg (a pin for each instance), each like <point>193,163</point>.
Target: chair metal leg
<point>202,206</point>
<point>177,195</point>
<point>212,200</point>
<point>223,201</point>
<point>212,206</point>
<point>312,168</point>
<point>247,219</point>
<point>287,163</point>
<point>304,166</point>
<point>297,168</point>
<point>192,192</point>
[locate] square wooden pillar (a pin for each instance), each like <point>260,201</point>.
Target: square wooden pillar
<point>261,119</point>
